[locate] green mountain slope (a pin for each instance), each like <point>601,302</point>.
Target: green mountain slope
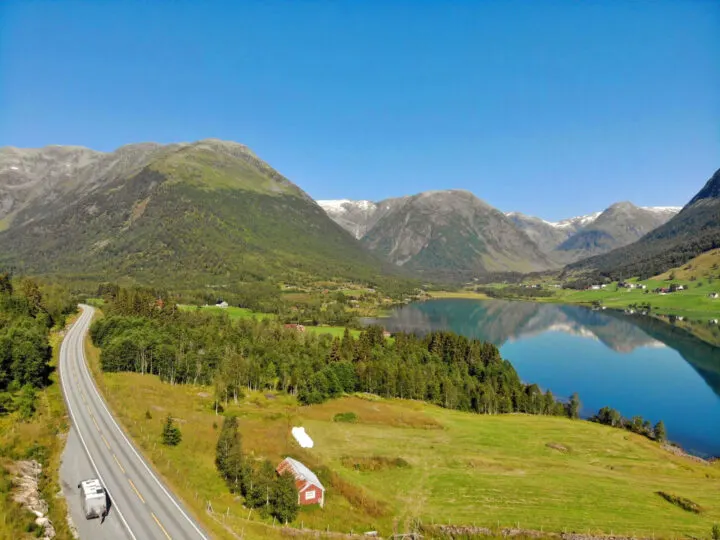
<point>203,214</point>
<point>452,235</point>
<point>694,230</point>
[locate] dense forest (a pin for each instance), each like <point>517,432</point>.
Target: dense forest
<point>26,316</point>
<point>144,334</point>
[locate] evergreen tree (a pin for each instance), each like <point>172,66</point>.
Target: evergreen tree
<point>284,504</point>
<point>574,406</point>
<point>229,458</point>
<point>262,488</point>
<point>660,432</point>
<point>171,435</point>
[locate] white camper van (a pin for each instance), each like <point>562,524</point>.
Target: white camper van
<point>93,498</point>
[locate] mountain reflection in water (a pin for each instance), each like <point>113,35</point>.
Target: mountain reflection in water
<point>634,363</point>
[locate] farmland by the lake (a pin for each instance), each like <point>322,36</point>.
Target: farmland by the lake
<point>454,467</point>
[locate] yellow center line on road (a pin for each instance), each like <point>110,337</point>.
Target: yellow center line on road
<point>136,491</point>
<point>94,421</point>
<point>160,525</point>
<point>118,463</point>
<point>105,441</point>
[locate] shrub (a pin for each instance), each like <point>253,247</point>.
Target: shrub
<point>716,532</point>
<point>682,502</point>
<point>349,417</point>
<point>375,463</point>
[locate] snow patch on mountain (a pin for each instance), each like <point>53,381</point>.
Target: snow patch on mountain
<point>345,205</point>
<point>579,221</point>
<point>583,221</point>
<point>663,209</point>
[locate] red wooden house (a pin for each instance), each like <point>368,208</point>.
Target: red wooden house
<point>310,490</point>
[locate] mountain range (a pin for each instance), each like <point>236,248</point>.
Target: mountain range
<point>453,234</point>
<point>212,214</point>
<point>190,215</point>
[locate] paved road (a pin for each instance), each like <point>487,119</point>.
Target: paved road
<point>142,508</point>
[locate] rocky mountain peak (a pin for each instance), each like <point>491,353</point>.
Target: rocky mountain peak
<point>711,190</point>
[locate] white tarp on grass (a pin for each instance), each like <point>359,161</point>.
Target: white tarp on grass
<point>302,438</point>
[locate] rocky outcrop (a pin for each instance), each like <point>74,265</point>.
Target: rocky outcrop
<point>27,493</point>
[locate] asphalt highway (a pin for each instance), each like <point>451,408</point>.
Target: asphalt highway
<point>142,507</point>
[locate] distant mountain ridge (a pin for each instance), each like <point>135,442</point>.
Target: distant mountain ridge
<point>694,230</point>
<point>558,242</point>
<point>453,235</point>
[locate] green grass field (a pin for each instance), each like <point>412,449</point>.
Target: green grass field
<point>335,331</point>
<point>244,313</point>
<point>691,303</point>
<point>232,312</point>
<point>543,473</point>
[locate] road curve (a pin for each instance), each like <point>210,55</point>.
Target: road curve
<point>143,504</point>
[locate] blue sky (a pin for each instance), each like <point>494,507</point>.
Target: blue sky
<point>550,108</point>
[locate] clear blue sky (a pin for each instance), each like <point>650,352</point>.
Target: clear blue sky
<point>547,107</point>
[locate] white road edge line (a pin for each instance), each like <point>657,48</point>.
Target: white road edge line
<point>130,445</point>
<point>82,439</point>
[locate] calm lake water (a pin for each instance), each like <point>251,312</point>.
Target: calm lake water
<point>635,364</point>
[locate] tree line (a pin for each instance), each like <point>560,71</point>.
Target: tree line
<point>143,334</point>
<point>637,424</point>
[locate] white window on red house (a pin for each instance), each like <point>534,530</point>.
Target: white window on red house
<point>309,495</point>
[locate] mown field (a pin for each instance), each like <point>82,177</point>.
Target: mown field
<point>543,473</point>
<point>233,312</point>
<point>244,313</point>
<point>699,277</point>
<point>41,438</point>
<point>693,302</point>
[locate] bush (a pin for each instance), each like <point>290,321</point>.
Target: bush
<point>349,417</point>
<point>375,463</point>
<point>716,532</point>
<point>682,502</point>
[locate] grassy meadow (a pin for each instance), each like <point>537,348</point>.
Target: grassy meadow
<point>244,313</point>
<point>699,277</point>
<point>233,312</point>
<point>543,473</point>
<point>41,438</point>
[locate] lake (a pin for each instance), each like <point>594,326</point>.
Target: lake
<point>632,363</point>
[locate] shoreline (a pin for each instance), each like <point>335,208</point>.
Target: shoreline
<point>684,320</point>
